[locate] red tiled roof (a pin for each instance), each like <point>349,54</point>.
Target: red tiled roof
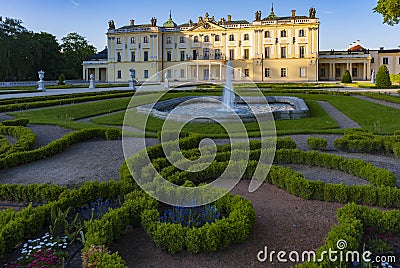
<point>356,48</point>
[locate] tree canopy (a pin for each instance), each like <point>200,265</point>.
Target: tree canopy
<point>390,10</point>
<point>23,53</point>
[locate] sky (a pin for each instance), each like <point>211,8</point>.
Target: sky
<point>342,21</point>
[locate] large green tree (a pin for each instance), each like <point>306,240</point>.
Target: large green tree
<point>75,49</point>
<point>390,10</point>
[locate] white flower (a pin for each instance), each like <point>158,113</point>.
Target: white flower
<point>25,245</point>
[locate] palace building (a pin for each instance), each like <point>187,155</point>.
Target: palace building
<point>266,49</point>
<point>269,49</point>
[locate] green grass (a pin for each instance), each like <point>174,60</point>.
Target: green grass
<point>374,117</point>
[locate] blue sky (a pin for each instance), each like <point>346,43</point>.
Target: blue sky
<point>342,21</point>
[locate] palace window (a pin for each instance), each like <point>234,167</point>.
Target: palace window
<point>267,72</point>
<point>302,51</point>
<point>182,55</point>
<point>231,37</point>
<point>169,40</point>
<point>206,38</point>
<point>267,34</point>
<point>267,53</point>
<point>133,40</point>
<point>145,56</point>
<point>134,73</point>
<point>217,54</point>
<point>206,53</point>
<point>354,72</point>
<point>196,39</point>
<point>169,55</point>
<point>246,37</point>
<point>119,74</point>
<point>283,72</point>
<point>283,52</point>
<point>181,39</point>
<point>146,74</point>
<point>373,60</point>
<point>385,60</point>
<point>118,40</point>
<point>283,33</point>
<point>246,54</point>
<point>302,72</point>
<point>231,54</point>
<point>194,54</point>
<point>118,56</point>
<point>182,73</point>
<point>217,38</point>
<point>145,39</point>
<point>246,72</point>
<point>399,60</point>
<point>169,73</point>
<point>133,56</point>
<point>337,72</point>
<point>322,72</point>
<point>301,33</point>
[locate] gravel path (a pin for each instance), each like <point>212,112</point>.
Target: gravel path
<point>47,133</point>
<point>381,102</point>
<point>86,161</point>
<point>327,175</point>
<point>343,120</point>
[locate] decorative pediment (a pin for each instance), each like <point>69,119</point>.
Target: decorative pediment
<point>206,23</point>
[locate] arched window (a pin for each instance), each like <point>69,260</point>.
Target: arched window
<point>217,38</point>
<point>267,34</point>
<point>196,39</point>
<point>231,37</point>
<point>301,33</point>
<point>246,37</point>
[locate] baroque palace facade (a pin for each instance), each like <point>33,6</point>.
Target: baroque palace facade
<point>270,49</point>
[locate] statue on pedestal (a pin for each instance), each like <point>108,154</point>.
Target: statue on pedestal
<point>166,81</point>
<point>373,77</point>
<point>41,82</point>
<point>91,82</point>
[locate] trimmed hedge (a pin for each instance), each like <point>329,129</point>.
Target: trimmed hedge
<point>47,101</point>
<point>317,143</point>
<point>210,237</point>
<point>54,147</point>
<point>25,140</point>
<point>15,122</point>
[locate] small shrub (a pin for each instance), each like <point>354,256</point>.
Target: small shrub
<point>61,80</point>
<point>396,149</point>
<point>383,77</point>
<point>317,143</point>
<point>346,78</point>
<point>90,258</point>
<point>113,134</point>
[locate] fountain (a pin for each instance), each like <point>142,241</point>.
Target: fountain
<point>228,96</point>
<point>227,108</point>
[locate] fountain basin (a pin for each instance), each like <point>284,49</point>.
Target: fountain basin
<point>210,109</point>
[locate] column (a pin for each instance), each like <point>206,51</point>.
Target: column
<point>186,73</point>
<point>220,71</point>
<point>365,71</point>
<point>197,70</point>
<point>209,71</point>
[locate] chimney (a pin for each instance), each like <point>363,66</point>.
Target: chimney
<point>381,48</point>
<point>132,22</point>
<point>229,18</point>
<point>293,13</point>
<point>358,43</point>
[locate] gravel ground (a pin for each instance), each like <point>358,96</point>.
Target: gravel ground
<point>327,175</point>
<point>381,102</point>
<point>343,120</point>
<point>284,222</point>
<point>47,133</point>
<point>86,161</point>
<point>4,116</point>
